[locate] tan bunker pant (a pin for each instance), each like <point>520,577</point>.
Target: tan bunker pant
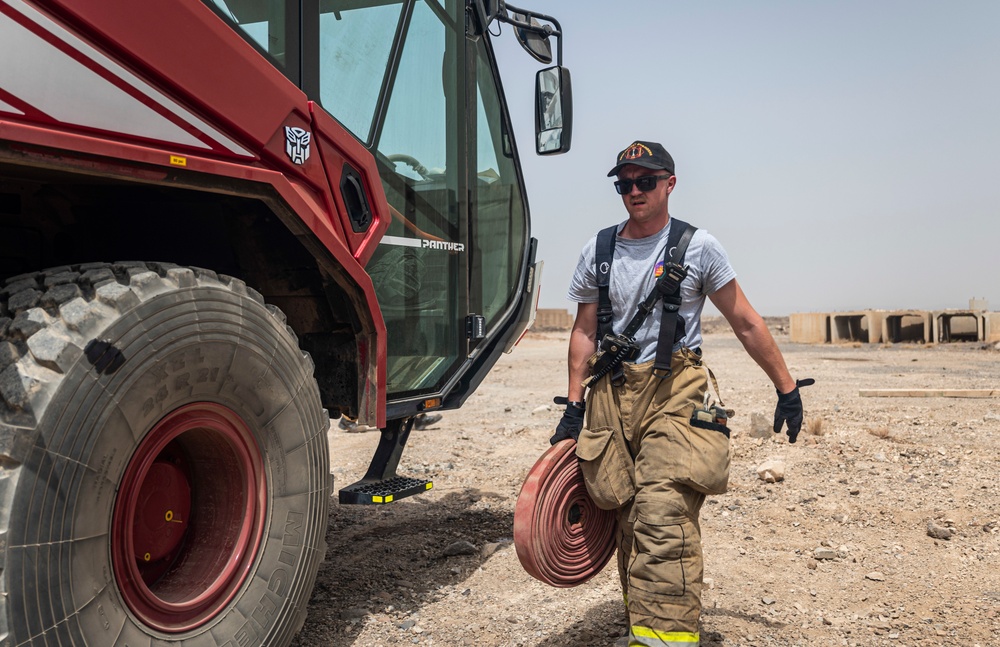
<point>641,456</point>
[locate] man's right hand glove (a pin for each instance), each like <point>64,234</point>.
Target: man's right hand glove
<point>789,410</point>
<point>572,421</point>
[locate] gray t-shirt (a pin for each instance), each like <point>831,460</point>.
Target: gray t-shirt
<point>633,275</point>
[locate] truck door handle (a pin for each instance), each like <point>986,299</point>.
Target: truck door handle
<point>355,199</point>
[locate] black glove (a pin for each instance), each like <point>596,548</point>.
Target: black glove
<point>572,421</point>
<point>789,410</point>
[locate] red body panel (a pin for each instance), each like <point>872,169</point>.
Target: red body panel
<point>185,46</point>
<point>178,62</point>
<point>338,147</point>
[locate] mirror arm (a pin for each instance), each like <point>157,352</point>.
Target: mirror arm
<point>555,29</point>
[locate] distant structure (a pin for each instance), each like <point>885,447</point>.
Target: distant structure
<point>976,324</point>
<point>553,319</point>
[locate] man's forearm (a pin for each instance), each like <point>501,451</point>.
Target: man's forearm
<point>752,332</point>
<point>581,347</point>
<point>760,345</point>
<point>582,344</point>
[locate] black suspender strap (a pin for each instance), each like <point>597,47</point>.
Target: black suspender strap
<point>604,253</point>
<point>669,288</point>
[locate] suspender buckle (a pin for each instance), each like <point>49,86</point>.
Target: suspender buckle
<point>663,373</point>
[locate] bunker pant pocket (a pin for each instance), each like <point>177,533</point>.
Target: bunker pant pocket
<point>697,451</point>
<point>608,470</point>
<point>665,549</point>
<point>708,457</point>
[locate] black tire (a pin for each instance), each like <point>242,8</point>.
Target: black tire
<point>134,395</point>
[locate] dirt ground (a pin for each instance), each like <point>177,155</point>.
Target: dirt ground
<point>840,552</point>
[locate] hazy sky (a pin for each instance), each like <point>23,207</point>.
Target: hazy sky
<point>844,153</point>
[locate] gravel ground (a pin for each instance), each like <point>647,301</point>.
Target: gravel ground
<point>884,531</point>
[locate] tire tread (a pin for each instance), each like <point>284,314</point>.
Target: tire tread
<point>46,320</point>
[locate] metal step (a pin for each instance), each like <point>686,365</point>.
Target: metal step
<point>380,484</point>
<point>366,492</point>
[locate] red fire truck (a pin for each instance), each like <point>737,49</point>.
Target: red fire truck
<point>223,222</point>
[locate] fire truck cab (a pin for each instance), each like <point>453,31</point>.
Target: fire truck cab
<point>223,222</point>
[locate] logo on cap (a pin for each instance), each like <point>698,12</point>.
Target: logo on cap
<point>635,151</point>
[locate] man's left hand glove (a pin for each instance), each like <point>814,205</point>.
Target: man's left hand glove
<point>789,410</point>
<point>571,423</point>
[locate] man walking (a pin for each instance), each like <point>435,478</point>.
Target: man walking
<point>655,446</point>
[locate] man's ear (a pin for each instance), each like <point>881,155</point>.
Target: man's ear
<point>671,183</point>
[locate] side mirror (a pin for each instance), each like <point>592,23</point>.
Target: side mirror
<point>553,111</point>
<point>535,41</point>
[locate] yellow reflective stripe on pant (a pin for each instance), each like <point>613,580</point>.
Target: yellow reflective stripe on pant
<point>646,637</point>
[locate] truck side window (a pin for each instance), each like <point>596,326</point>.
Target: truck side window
<point>262,22</point>
<point>419,268</point>
<point>354,48</point>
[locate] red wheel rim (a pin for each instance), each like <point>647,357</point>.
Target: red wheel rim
<point>189,517</point>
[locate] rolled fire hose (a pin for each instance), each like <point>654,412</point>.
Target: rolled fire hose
<point>561,537</point>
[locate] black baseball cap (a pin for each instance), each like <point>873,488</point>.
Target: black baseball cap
<point>646,154</point>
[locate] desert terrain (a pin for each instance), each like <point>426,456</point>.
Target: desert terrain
<point>885,529</point>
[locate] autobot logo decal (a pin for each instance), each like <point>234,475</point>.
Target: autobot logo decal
<point>297,144</point>
<point>635,151</point>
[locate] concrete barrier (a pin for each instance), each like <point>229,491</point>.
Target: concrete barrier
<point>895,326</point>
<point>907,325</point>
<point>862,326</point>
<point>992,331</point>
<point>959,325</point>
<point>552,319</point>
<point>809,327</point>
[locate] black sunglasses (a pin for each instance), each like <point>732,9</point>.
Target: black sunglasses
<point>645,183</point>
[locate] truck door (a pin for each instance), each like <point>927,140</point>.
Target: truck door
<point>404,79</point>
<point>499,231</point>
<point>420,270</point>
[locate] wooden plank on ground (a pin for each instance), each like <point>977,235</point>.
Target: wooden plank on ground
<point>929,393</point>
